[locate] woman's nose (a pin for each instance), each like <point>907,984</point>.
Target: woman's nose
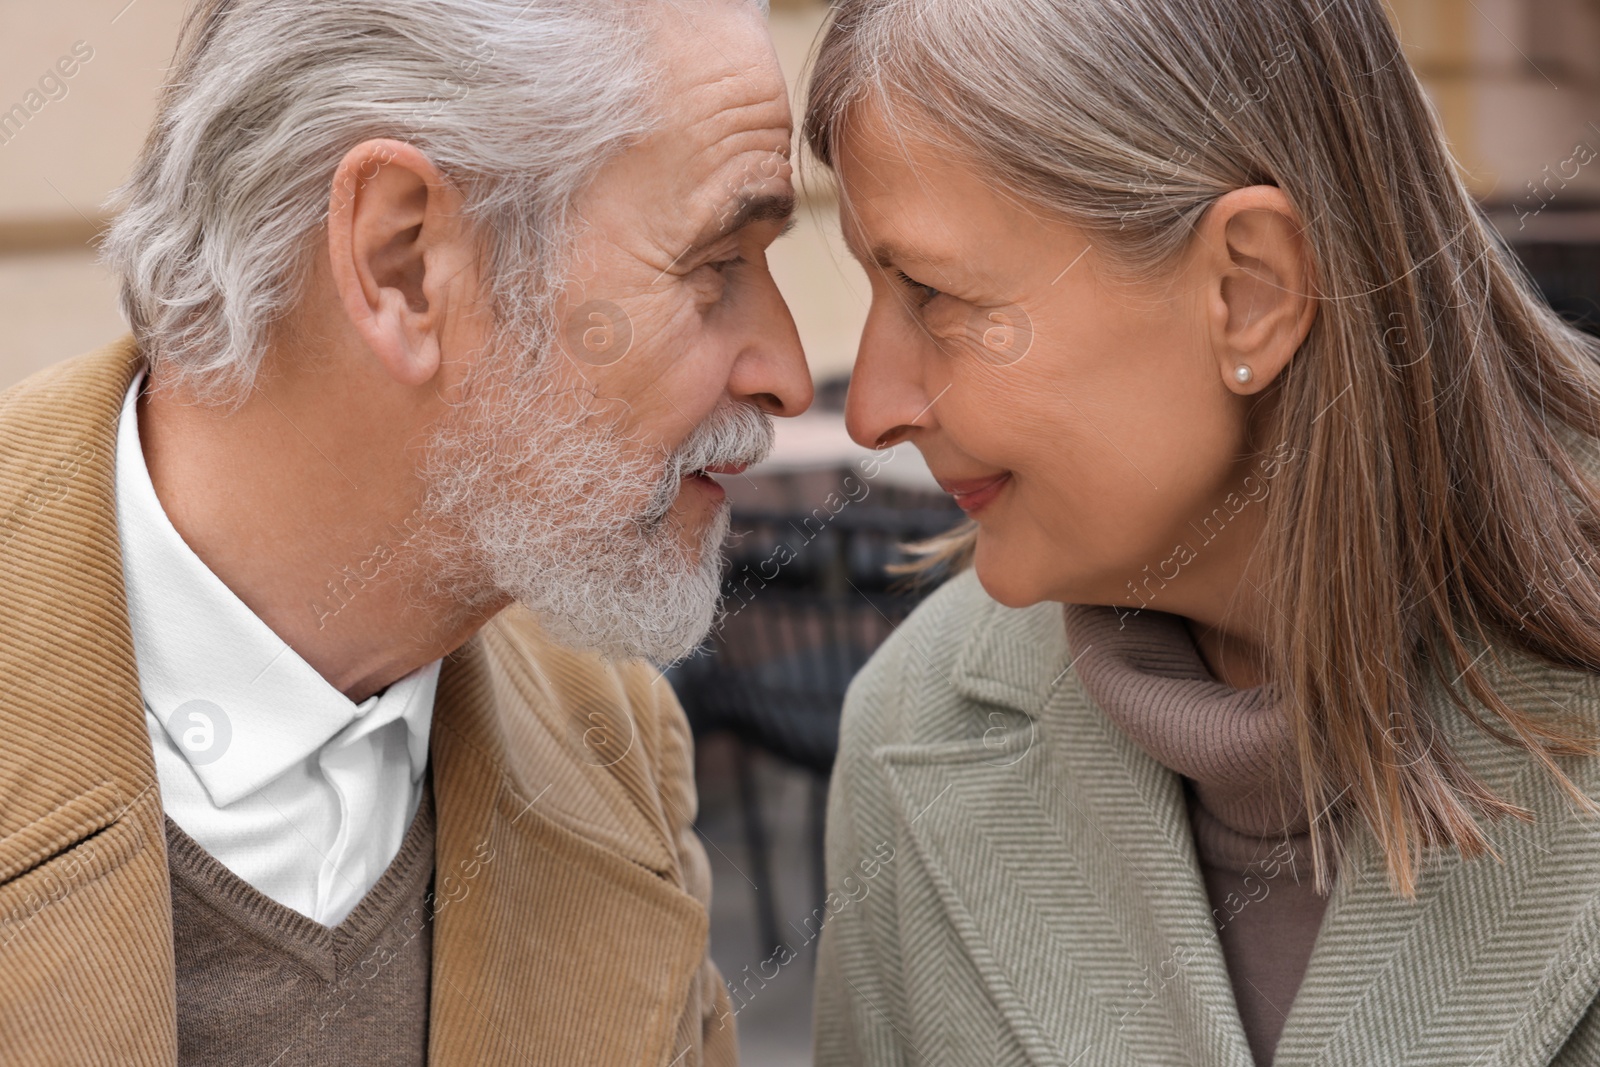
<point>887,399</point>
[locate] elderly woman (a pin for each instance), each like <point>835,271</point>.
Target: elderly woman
<point>1260,726</point>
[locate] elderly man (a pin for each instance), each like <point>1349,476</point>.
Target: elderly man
<point>325,731</point>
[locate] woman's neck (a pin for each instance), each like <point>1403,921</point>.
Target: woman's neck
<point>1232,658</point>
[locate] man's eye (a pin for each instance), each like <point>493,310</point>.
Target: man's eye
<point>920,293</point>
<point>721,265</point>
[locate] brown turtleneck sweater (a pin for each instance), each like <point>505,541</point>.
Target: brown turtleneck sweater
<point>1237,761</point>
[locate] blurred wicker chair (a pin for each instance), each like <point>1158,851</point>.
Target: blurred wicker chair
<point>809,597</point>
<point>1568,274</point>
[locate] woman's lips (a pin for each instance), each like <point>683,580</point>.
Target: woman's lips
<point>975,493</point>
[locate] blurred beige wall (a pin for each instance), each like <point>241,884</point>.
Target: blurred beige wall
<point>1516,82</point>
<point>58,168</point>
<point>60,155</point>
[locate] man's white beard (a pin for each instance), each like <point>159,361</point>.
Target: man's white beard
<point>552,507</point>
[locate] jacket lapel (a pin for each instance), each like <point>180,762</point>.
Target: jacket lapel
<point>561,934</point>
<point>1063,857</point>
<point>1495,961</point>
<point>81,828</point>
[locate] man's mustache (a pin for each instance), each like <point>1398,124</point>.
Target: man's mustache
<point>733,435</point>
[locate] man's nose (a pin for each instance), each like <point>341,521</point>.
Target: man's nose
<point>888,398</point>
<point>771,370</point>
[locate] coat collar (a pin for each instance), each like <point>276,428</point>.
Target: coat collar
<point>1012,657</point>
<point>67,657</point>
<point>1059,848</point>
<point>562,934</point>
<point>76,760</point>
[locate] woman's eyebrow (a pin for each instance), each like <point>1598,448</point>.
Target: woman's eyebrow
<point>886,253</point>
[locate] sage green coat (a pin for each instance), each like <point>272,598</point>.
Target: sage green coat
<point>1016,883</point>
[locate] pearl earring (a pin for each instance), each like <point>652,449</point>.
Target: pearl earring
<point>1241,374</point>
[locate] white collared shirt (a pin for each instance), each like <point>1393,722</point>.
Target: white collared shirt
<point>288,783</point>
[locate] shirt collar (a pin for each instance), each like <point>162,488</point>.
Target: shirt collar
<point>210,669</point>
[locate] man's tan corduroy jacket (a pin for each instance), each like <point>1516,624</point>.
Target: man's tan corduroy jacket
<point>571,924</point>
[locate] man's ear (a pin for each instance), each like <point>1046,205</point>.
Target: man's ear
<point>398,248</point>
<point>1258,273</point>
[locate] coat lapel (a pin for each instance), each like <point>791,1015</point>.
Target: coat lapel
<point>85,904</point>
<point>561,933</point>
<point>1495,961</point>
<point>1063,857</point>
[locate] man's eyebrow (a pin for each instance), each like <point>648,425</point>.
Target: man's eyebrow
<point>744,209</point>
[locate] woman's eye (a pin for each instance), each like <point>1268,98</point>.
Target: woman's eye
<point>920,293</point>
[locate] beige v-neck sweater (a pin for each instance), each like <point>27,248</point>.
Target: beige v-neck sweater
<point>1237,761</point>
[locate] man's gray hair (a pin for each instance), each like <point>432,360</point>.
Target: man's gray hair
<point>519,102</point>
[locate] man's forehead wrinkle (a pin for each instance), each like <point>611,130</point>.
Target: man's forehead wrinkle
<point>742,79</point>
<point>710,117</point>
<point>708,156</point>
<point>738,157</point>
<point>722,116</point>
<point>746,73</point>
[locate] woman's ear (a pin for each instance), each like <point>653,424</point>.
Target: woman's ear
<point>398,249</point>
<point>1258,280</point>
